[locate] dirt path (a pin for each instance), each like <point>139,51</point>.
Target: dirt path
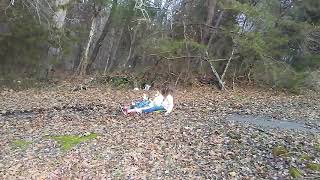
<point>195,141</point>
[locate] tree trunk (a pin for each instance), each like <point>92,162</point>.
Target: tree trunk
<point>111,46</point>
<point>221,83</point>
<point>212,35</point>
<point>114,51</point>
<point>53,51</point>
<point>84,59</point>
<point>227,66</point>
<point>132,42</point>
<point>210,16</point>
<point>104,33</point>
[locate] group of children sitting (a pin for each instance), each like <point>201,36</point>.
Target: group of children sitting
<point>162,102</point>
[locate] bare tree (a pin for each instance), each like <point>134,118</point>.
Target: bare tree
<point>81,70</point>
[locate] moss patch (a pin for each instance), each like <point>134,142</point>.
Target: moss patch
<point>317,143</point>
<point>118,174</point>
<point>21,144</point>
<point>234,135</point>
<point>295,173</point>
<point>314,166</point>
<point>306,157</point>
<point>280,151</point>
<point>318,147</point>
<point>69,141</point>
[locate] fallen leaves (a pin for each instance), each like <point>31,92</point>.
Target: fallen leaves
<point>195,141</point>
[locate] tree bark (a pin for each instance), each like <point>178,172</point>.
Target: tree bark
<point>114,51</point>
<point>212,35</point>
<point>84,59</point>
<point>227,66</point>
<point>54,52</point>
<point>132,42</point>
<point>104,33</point>
<point>110,49</point>
<point>210,16</point>
<point>221,83</point>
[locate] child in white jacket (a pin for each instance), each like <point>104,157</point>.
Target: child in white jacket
<point>162,102</point>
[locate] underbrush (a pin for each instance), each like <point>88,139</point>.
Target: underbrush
<point>25,83</point>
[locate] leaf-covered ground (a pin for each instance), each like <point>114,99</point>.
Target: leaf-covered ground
<point>195,142</point>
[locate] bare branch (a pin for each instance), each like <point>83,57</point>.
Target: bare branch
<point>179,57</point>
<point>226,68</point>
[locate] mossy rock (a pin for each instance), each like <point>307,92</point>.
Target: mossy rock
<point>314,166</point>
<point>21,144</point>
<point>295,173</point>
<point>280,151</point>
<point>67,142</point>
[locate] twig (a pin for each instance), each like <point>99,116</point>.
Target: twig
<point>37,10</point>
<point>179,57</point>
<point>178,79</point>
<point>216,60</point>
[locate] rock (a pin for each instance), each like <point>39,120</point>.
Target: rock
<point>3,112</point>
<point>233,174</point>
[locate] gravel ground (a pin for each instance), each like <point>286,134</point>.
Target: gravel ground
<point>194,142</point>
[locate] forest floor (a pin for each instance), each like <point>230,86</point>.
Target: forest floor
<point>57,133</point>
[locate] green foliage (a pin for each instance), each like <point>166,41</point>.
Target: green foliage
<point>275,49</point>
<point>21,144</point>
<point>280,151</point>
<point>277,46</point>
<point>314,166</point>
<point>261,15</point>
<point>120,82</point>
<point>295,173</point>
<point>69,141</point>
<point>199,12</point>
<point>252,44</point>
<point>171,47</point>
<point>306,157</point>
<point>103,2</point>
<point>245,8</point>
<point>308,62</point>
<point>307,10</point>
<point>25,43</point>
<point>318,147</point>
<point>278,75</point>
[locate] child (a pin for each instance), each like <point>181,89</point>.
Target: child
<point>162,102</point>
<point>140,104</point>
